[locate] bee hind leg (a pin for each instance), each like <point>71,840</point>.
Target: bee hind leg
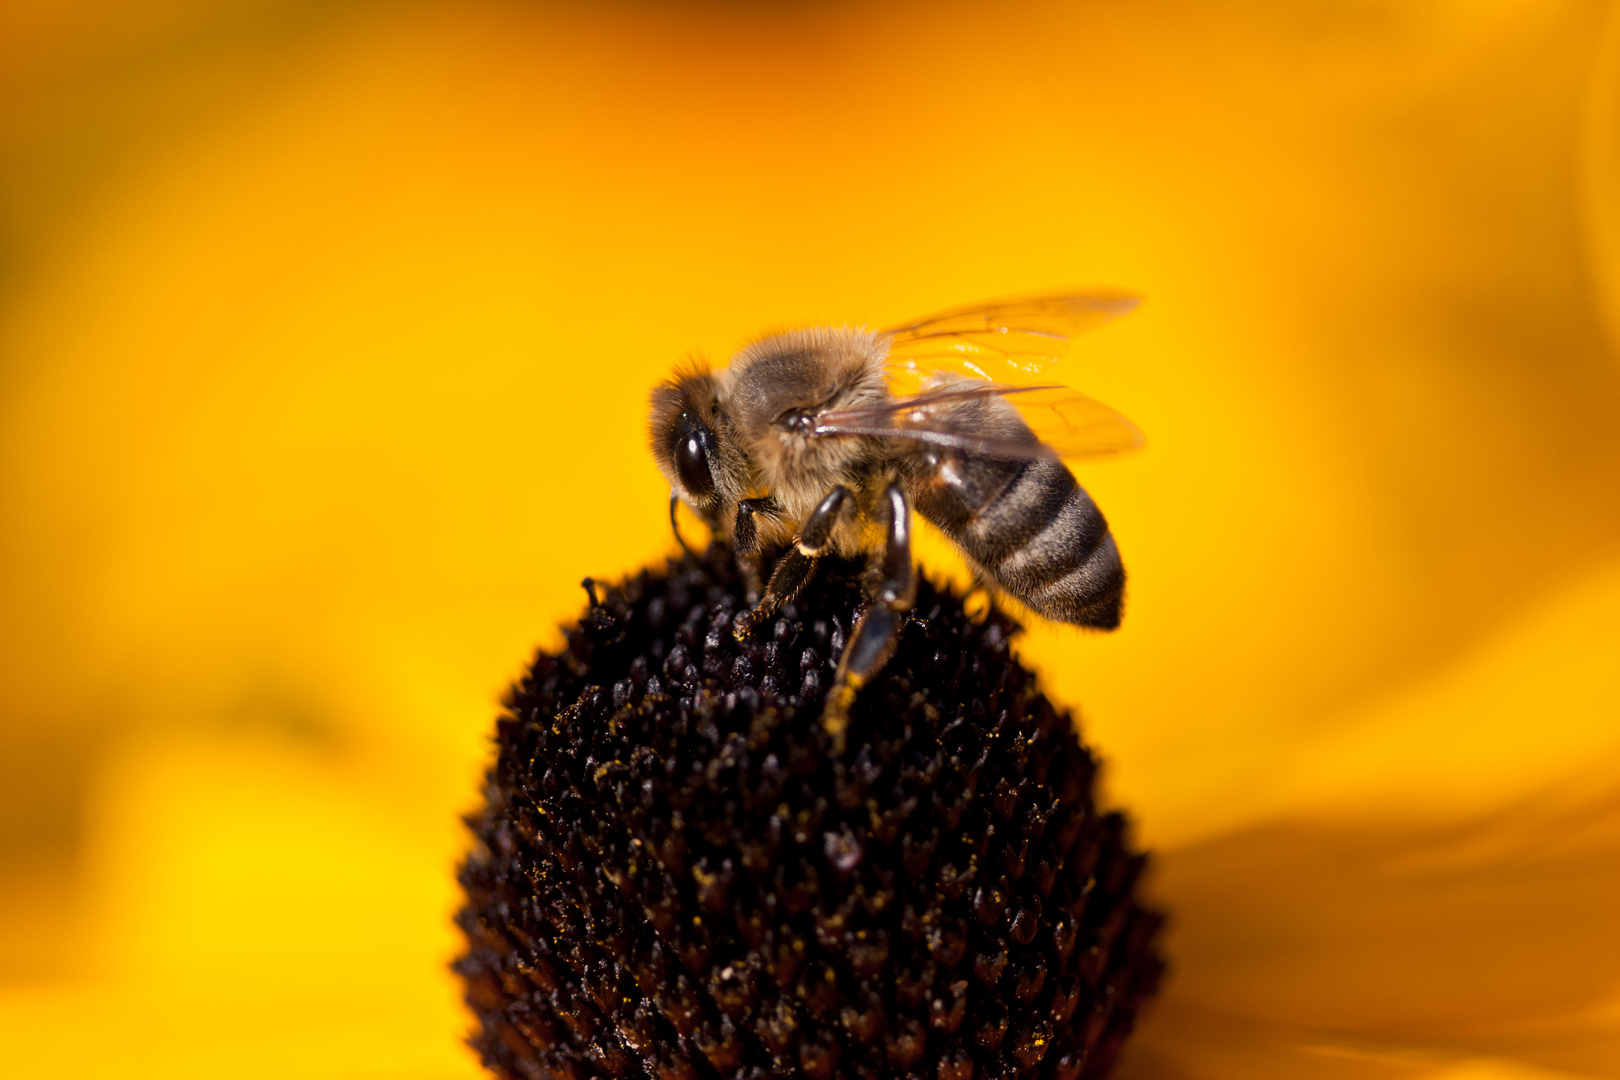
<point>878,629</point>
<point>794,570</point>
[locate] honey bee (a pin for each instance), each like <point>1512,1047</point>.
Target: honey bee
<point>827,438</point>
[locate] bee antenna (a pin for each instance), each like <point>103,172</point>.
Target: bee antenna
<point>675,525</point>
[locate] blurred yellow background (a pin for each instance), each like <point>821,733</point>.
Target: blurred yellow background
<point>325,332</point>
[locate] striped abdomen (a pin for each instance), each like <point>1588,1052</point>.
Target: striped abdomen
<point>1031,527</point>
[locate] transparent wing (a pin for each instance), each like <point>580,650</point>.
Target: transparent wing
<point>1076,426</point>
<point>1003,341</point>
<point>1062,423</point>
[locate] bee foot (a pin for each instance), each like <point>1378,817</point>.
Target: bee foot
<point>835,716</point>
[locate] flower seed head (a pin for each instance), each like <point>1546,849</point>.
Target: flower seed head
<point>675,878</point>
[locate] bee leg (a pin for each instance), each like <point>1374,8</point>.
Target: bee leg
<point>793,572</point>
<point>753,580</point>
<point>745,542</point>
<point>873,640</point>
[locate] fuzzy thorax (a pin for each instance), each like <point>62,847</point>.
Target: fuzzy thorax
<point>808,371</point>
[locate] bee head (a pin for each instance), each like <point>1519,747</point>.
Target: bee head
<point>687,434</point>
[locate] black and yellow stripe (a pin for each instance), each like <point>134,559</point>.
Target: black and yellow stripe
<point>1032,529</point>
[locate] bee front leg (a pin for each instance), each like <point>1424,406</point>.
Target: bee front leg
<point>793,573</point>
<point>745,542</point>
<point>873,640</point>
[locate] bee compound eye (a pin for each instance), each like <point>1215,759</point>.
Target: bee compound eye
<point>692,464</point>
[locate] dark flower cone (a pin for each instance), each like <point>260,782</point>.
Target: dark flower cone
<point>674,877</point>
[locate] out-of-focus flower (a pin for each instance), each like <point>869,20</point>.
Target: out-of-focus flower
<point>325,332</point>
